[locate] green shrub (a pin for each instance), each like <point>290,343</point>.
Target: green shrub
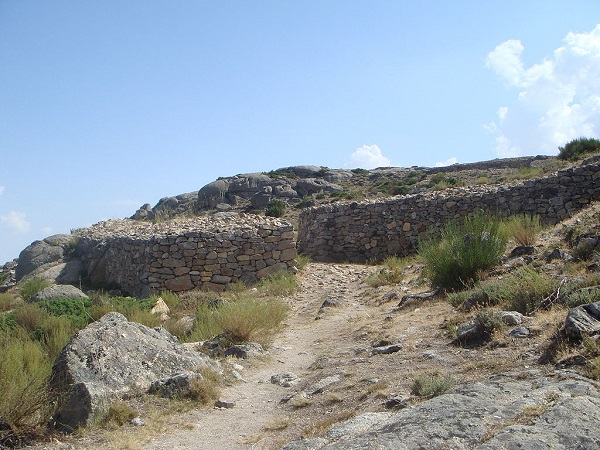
<point>441,181</point>
<point>275,208</point>
<point>431,385</point>
<point>342,195</point>
<point>488,321</point>
<point>579,149</point>
<point>74,309</point>
<point>31,287</point>
<point>463,252</point>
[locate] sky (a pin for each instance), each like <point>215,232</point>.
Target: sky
<point>105,106</point>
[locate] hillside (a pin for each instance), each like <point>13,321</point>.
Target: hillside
<point>367,351</point>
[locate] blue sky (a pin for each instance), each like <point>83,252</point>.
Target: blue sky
<point>108,105</point>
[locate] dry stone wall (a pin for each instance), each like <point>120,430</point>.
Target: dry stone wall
<point>358,232</point>
<point>200,253</point>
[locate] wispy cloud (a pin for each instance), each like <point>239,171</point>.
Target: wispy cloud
<point>556,100</point>
<point>448,162</point>
<point>47,231</point>
<point>2,190</point>
<point>15,222</point>
<point>367,157</point>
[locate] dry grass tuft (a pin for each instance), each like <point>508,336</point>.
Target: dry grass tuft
<point>320,427</point>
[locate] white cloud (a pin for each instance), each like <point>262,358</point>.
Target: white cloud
<point>448,162</point>
<point>47,231</point>
<point>367,157</point>
<point>557,100</point>
<point>15,222</point>
<point>2,189</point>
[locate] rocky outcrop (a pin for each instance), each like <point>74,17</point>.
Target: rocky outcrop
<point>373,230</point>
<point>168,207</point>
<point>42,254</point>
<point>112,358</point>
<point>248,191</point>
<point>520,410</point>
<point>583,320</point>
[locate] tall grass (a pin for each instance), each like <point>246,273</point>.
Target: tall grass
<point>242,320</point>
<point>281,283</point>
<point>31,287</point>
<point>522,229</point>
<point>456,259</point>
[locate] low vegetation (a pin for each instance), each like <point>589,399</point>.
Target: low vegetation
<point>32,335</point>
<point>463,252</point>
<point>579,148</point>
<point>431,385</point>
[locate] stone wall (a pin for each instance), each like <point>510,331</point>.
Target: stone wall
<point>141,258</point>
<point>358,232</point>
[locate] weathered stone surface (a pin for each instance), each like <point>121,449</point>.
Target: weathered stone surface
<point>41,252</point>
<point>583,320</point>
<point>111,358</point>
<point>212,194</point>
<point>178,386</point>
<point>57,291</point>
<point>568,405</point>
<point>287,379</point>
<point>245,351</point>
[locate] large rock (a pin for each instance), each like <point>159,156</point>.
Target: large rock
<point>521,410</point>
<point>39,253</point>
<point>58,291</point>
<point>112,358</point>
<point>212,194</point>
<point>583,320</point>
<point>61,272</point>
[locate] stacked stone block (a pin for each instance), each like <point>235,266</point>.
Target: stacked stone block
<point>372,230</point>
<point>200,253</point>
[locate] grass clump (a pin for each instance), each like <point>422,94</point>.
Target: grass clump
<point>206,389</point>
<point>522,229</point>
<point>522,290</point>
<point>250,320</point>
<point>431,385</point>
<point>390,273</point>
<point>31,287</point>
<point>463,252</point>
<point>579,148</point>
<point>118,414</point>
<point>279,284</point>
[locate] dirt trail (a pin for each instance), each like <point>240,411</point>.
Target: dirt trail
<point>339,342</point>
<point>294,349</point>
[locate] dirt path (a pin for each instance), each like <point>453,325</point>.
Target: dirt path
<point>339,344</point>
<point>301,342</point>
